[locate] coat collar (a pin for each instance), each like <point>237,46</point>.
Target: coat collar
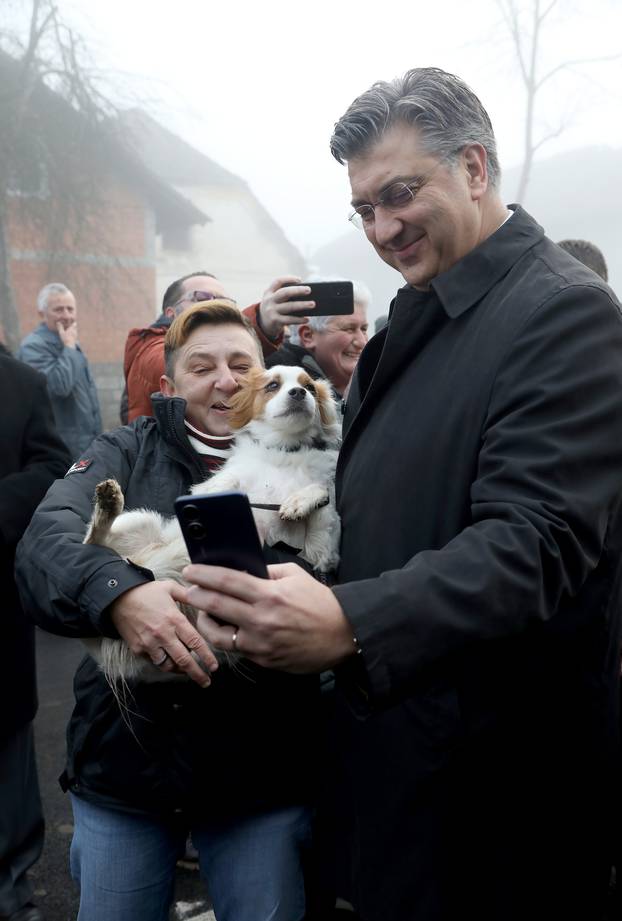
<point>415,314</point>
<point>470,279</point>
<point>52,337</point>
<point>169,414</point>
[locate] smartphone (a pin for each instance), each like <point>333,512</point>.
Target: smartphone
<point>219,529</point>
<point>332,298</point>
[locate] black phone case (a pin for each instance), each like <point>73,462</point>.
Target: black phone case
<point>219,530</point>
<point>332,298</point>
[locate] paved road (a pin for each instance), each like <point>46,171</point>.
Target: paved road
<point>57,659</point>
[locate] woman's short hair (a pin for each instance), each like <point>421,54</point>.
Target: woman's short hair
<point>217,312</point>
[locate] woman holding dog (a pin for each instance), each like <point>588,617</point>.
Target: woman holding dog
<point>226,753</point>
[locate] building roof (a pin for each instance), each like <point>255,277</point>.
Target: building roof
<point>169,156</point>
<point>178,163</point>
<point>102,142</point>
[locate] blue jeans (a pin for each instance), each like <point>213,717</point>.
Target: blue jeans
<point>125,864</point>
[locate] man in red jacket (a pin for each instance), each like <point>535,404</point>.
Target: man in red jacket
<point>143,363</point>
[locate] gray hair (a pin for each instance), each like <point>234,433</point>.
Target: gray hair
<point>43,296</point>
<point>362,296</point>
<point>446,112</point>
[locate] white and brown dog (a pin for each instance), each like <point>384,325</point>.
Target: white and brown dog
<point>287,437</point>
<point>285,454</point>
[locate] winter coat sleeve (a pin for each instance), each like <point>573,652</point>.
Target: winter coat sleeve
<point>143,374</point>
<point>43,458</point>
<point>66,586</point>
<point>61,369</point>
<point>268,346</point>
<point>547,484</point>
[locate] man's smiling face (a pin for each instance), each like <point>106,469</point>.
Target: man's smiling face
<point>438,226</point>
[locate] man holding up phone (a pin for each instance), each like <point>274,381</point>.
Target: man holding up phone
<point>328,346</point>
<point>232,764</point>
<point>143,362</point>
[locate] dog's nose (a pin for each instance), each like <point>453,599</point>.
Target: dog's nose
<point>297,393</point>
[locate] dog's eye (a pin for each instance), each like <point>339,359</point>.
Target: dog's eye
<point>310,388</point>
<point>273,385</point>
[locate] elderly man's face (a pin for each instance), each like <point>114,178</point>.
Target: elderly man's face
<point>439,226</point>
<point>338,346</point>
<point>61,308</point>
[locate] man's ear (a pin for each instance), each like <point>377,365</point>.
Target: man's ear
<point>307,335</point>
<point>167,386</point>
<point>169,312</point>
<point>476,163</point>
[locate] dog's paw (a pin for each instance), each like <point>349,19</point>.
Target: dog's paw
<point>301,503</point>
<point>109,497</point>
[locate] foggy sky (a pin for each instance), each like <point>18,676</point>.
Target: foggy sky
<point>258,86</point>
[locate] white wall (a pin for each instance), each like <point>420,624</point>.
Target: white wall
<point>240,245</point>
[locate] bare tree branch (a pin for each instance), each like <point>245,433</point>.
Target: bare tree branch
<point>528,57</point>
<point>567,65</point>
<point>54,119</point>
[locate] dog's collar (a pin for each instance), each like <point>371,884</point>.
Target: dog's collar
<point>318,444</point>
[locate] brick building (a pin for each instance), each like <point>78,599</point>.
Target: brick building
<point>87,212</point>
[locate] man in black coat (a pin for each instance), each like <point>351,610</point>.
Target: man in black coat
<point>32,456</point>
<point>475,629</point>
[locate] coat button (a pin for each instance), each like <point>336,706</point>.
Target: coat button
<point>112,583</point>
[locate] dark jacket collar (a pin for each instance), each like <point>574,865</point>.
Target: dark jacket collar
<point>470,279</point>
<point>169,414</point>
<point>162,322</point>
<point>52,337</point>
<point>303,357</point>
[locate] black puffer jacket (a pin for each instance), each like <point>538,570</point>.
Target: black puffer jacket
<point>244,743</point>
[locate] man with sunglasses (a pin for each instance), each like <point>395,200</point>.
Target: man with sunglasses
<point>144,350</point>
<point>475,625</point>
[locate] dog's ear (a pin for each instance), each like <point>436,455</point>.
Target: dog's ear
<point>242,403</point>
<point>326,403</point>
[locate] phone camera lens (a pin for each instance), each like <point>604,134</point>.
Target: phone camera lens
<point>189,512</point>
<point>196,530</point>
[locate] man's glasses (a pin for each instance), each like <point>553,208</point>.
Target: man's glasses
<point>194,297</point>
<point>399,195</point>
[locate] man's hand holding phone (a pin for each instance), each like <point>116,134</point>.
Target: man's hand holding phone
<point>290,621</point>
<point>278,307</point>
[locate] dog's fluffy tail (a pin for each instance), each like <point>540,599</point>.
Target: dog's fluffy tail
<point>108,506</point>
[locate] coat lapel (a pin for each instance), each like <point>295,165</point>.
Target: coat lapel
<point>414,319</point>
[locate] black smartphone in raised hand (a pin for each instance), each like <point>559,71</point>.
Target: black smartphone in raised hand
<point>332,298</point>
<point>219,530</point>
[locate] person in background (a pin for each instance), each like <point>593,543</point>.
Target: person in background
<point>475,624</point>
<point>381,322</point>
<point>591,256</point>
<point>587,253</point>
<point>53,349</point>
<point>328,347</point>
<point>143,363</point>
<point>32,457</point>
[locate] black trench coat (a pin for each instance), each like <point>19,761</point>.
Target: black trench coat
<point>479,488</point>
<point>32,455</point>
